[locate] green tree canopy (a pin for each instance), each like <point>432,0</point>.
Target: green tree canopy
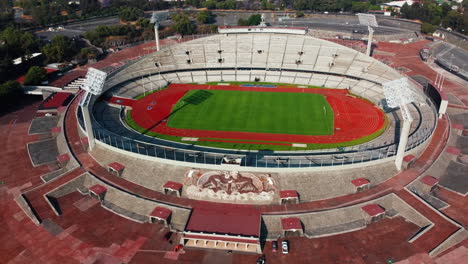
<point>359,7</point>
<point>253,20</point>
<point>130,13</point>
<point>60,49</point>
<point>9,91</point>
<point>427,28</point>
<point>183,25</point>
<point>453,20</point>
<point>205,17</point>
<point>35,76</point>
<point>18,43</point>
<point>98,35</point>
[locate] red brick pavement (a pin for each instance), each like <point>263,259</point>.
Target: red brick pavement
<point>458,209</point>
<point>16,169</point>
<point>408,57</point>
<point>438,233</point>
<point>36,196</point>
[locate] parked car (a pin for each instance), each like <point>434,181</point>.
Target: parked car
<point>285,247</point>
<point>274,246</point>
<point>261,260</point>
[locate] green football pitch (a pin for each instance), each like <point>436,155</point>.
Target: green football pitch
<point>261,112</point>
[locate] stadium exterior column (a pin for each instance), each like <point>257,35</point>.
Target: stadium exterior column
<point>402,144</point>
<point>88,127</point>
<point>369,40</point>
<point>156,35</point>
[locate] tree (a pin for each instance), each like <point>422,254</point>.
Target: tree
<point>183,25</point>
<point>453,20</point>
<point>18,43</point>
<point>35,76</point>
<point>229,4</point>
<point>130,14</point>
<point>60,49</point>
<point>87,6</point>
<point>427,28</point>
<point>253,20</point>
<point>6,67</point>
<point>299,14</point>
<point>205,17</point>
<point>98,36</point>
<point>9,92</point>
<point>266,5</point>
<point>405,10</point>
<point>143,23</point>
<point>87,53</point>
<point>445,9</point>
<point>195,3</point>
<point>210,4</point>
<point>360,7</point>
<point>6,18</point>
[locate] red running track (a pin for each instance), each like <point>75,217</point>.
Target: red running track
<point>354,118</point>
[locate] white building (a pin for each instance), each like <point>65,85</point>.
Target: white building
<point>396,5</point>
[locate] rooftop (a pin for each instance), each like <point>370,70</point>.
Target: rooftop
<point>173,185</point>
<point>116,166</point>
<point>429,180</point>
<point>161,212</point>
<point>225,219</point>
<point>98,189</point>
<point>373,209</point>
<point>289,194</point>
<point>359,182</point>
<point>291,223</point>
<point>63,157</point>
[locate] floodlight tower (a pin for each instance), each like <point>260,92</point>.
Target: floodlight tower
<point>155,20</point>
<point>399,94</point>
<point>369,21</point>
<point>92,85</point>
<point>263,23</point>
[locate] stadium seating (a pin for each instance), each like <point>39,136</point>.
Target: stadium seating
<point>267,58</point>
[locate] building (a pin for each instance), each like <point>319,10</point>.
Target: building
<point>214,227</point>
<point>396,5</point>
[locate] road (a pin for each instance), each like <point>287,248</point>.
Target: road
<point>338,23</point>
<point>452,54</point>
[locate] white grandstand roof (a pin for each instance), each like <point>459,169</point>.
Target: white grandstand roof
<point>399,3</point>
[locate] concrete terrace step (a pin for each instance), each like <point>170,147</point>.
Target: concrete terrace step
<point>36,197</point>
<point>124,212</point>
<point>441,229</point>
<point>338,229</point>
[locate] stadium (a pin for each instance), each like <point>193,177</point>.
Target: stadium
<point>305,132</point>
<point>234,141</point>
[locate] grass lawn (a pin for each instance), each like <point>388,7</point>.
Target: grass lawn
<point>246,111</point>
<point>246,146</point>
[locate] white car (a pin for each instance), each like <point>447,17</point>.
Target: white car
<point>285,247</point>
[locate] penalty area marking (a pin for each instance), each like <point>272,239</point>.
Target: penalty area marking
<point>189,139</point>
